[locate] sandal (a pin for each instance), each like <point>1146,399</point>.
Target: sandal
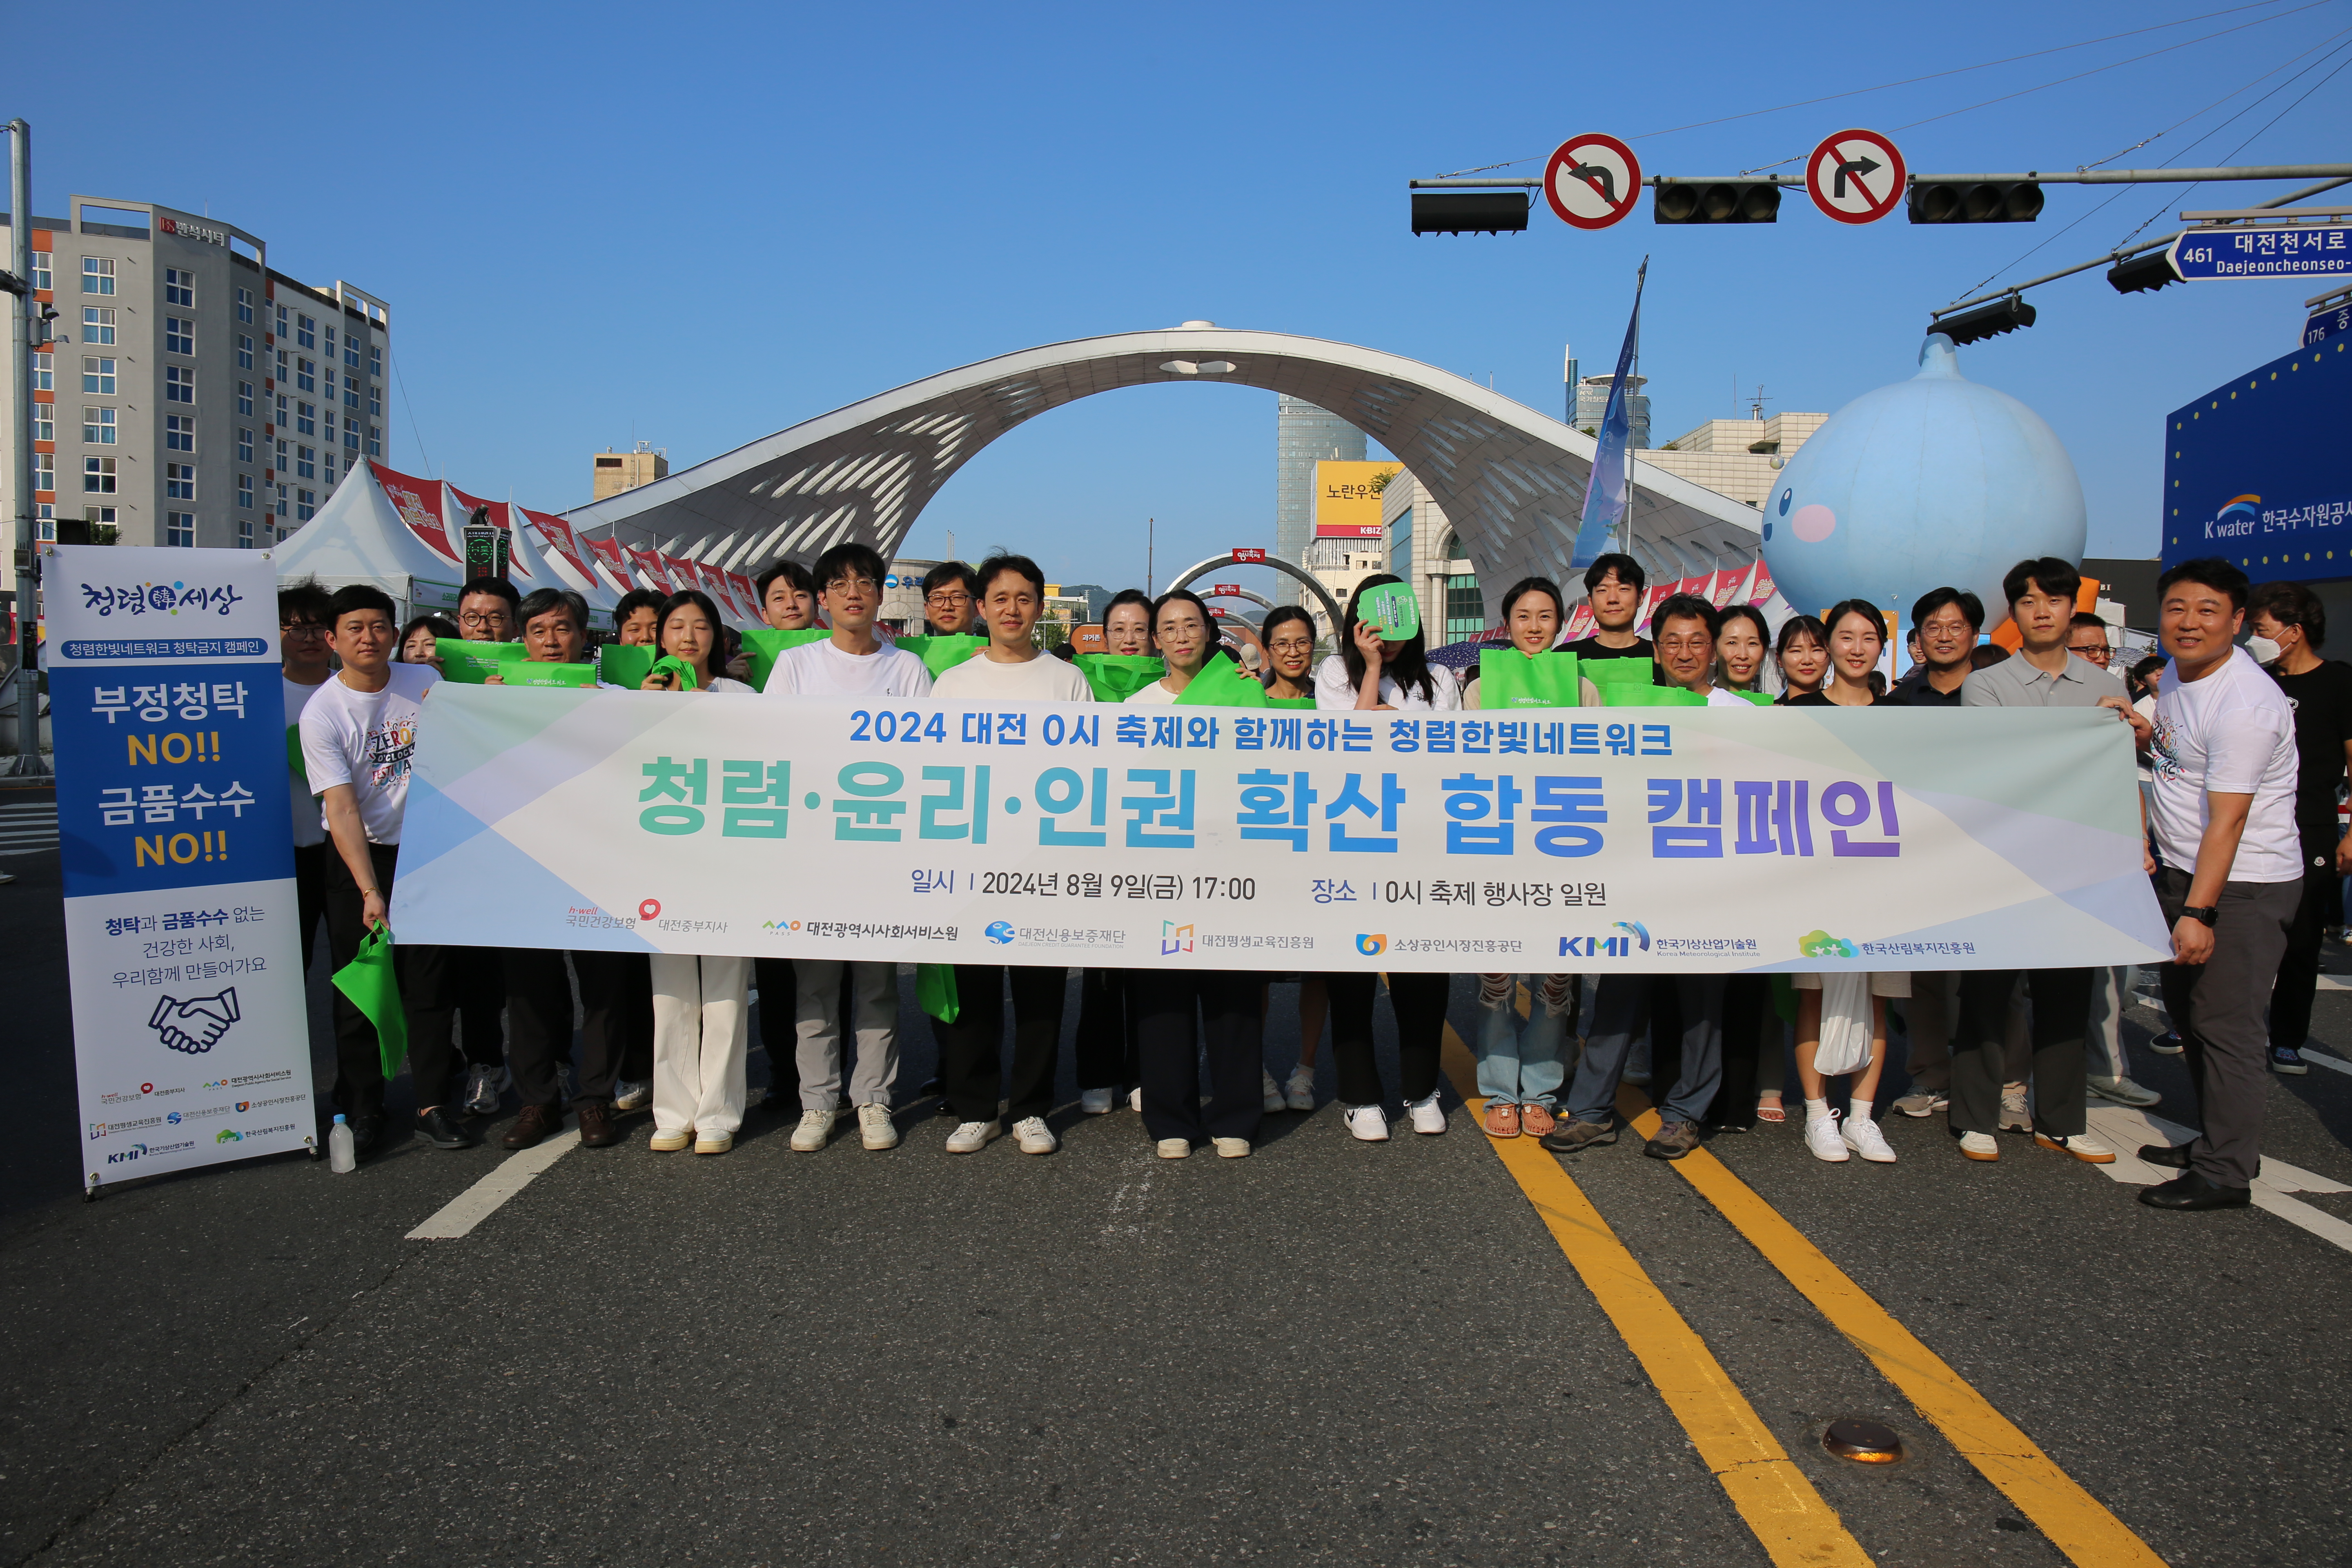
<point>1769,1110</point>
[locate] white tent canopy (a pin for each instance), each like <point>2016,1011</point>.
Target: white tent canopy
<point>384,527</point>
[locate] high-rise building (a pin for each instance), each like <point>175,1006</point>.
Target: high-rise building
<point>619,471</point>
<point>193,395</point>
<point>1304,435</point>
<point>1592,406</point>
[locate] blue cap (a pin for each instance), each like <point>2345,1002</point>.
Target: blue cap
<point>339,1118</point>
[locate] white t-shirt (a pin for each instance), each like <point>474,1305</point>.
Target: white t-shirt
<point>1044,679</point>
<point>1719,697</point>
<point>367,740</point>
<point>1152,694</point>
<point>1334,689</point>
<point>2229,733</point>
<point>821,669</point>
<point>309,822</point>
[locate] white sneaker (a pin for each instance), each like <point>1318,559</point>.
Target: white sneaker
<point>1862,1135</point>
<point>1098,1101</point>
<point>1135,1099</point>
<point>1979,1146</point>
<point>632,1094</point>
<point>971,1137</point>
<point>1232,1148</point>
<point>1427,1116</point>
<point>2090,1151</point>
<point>1273,1094</point>
<point>1821,1138</point>
<point>875,1128</point>
<point>483,1089</point>
<point>1172,1148</point>
<point>1034,1136</point>
<point>1298,1094</point>
<point>2122,1091</point>
<point>1368,1123</point>
<point>815,1127</point>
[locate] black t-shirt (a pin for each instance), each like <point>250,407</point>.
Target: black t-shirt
<point>2322,699</point>
<point>1590,647</point>
<point>1820,699</point>
<point>1913,691</point>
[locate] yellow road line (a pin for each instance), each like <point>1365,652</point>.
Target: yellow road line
<point>2074,1520</point>
<point>1794,1523</point>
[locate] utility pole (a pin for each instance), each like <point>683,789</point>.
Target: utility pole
<point>1150,532</point>
<point>21,321</point>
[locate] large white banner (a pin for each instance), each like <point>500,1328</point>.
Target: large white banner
<point>1652,839</point>
<point>191,1040</point>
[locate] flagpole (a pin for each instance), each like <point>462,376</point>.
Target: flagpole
<point>1640,276</point>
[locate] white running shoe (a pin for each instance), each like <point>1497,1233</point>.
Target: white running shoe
<point>971,1137</point>
<point>1232,1148</point>
<point>1368,1124</point>
<point>1979,1146</point>
<point>1428,1118</point>
<point>2090,1151</point>
<point>1862,1135</point>
<point>1266,1087</point>
<point>483,1089</point>
<point>875,1128</point>
<point>633,1094</point>
<point>1034,1136</point>
<point>1098,1101</point>
<point>1298,1094</point>
<point>1821,1138</point>
<point>1172,1148</point>
<point>815,1127</point>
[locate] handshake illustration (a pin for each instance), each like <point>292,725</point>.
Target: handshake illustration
<point>195,1026</point>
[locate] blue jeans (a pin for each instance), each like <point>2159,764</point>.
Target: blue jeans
<point>1620,1015</point>
<point>1520,1065</point>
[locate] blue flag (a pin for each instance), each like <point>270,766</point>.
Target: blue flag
<point>1605,496</point>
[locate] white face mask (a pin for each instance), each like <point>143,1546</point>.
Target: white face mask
<point>2264,650</point>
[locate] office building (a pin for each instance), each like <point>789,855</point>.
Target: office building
<point>1304,435</point>
<point>1592,406</point>
<point>193,395</point>
<point>1737,457</point>
<point>617,471</point>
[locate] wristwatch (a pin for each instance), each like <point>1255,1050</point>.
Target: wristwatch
<point>2211,915</point>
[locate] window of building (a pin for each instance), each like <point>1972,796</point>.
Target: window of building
<point>179,286</point>
<point>178,383</point>
<point>278,506</point>
<point>376,441</point>
<point>45,372</point>
<point>97,325</point>
<point>180,481</point>
<point>305,419</point>
<point>179,432</point>
<point>41,276</point>
<point>306,462</point>
<point>1465,607</point>
<point>245,490</point>
<point>243,445</point>
<point>244,352</point>
<point>281,364</point>
<point>244,398</point>
<point>282,421</point>
<point>98,426</point>
<point>306,375</point>
<point>98,375</point>
<point>351,436</point>
<point>45,422</point>
<point>98,475</point>
<point>245,306</point>
<point>330,344</point>
<point>306,505</point>
<point>375,360</point>
<point>244,532</point>
<point>306,332</point>
<point>329,418</point>
<point>45,471</point>
<point>46,528</point>
<point>97,275</point>
<point>375,402</point>
<point>327,470</point>
<point>282,329</point>
<point>351,396</point>
<point>179,335</point>
<point>180,529</point>
<point>350,351</point>
<point>280,466</point>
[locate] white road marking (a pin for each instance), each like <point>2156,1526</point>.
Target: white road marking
<point>2335,1064</point>
<point>483,1199</point>
<point>2124,1130</point>
<point>2334,983</point>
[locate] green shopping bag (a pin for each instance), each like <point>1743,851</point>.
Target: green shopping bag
<point>1222,683</point>
<point>1510,678</point>
<point>1115,677</point>
<point>1761,699</point>
<point>935,990</point>
<point>369,981</point>
<point>942,654</point>
<point>1290,702</point>
<point>1605,673</point>
<point>472,663</point>
<point>542,673</point>
<point>1625,696</point>
<point>764,645</point>
<point>625,663</point>
<point>677,669</point>
<point>294,753</point>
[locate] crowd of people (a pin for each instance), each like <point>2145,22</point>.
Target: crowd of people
<point>2242,752</point>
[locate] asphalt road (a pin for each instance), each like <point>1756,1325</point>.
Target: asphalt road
<point>1330,1352</point>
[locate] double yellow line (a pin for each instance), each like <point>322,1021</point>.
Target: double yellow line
<point>1791,1520</point>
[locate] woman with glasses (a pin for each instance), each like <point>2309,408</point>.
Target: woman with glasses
<point>1288,637</point>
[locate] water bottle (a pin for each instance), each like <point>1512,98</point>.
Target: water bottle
<point>341,1156</point>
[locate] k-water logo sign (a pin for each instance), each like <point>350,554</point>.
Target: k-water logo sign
<point>179,868</point>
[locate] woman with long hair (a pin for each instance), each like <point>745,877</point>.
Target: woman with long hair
<point>1288,636</point>
<point>1857,640</point>
<point>1802,652</point>
<point>1743,649</point>
<point>1369,672</point>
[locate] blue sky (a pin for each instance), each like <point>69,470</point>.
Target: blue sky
<point>700,224</point>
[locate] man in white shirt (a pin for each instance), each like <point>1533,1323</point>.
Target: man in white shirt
<point>302,649</point>
<point>851,662</point>
<point>358,742</point>
<point>1008,669</point>
<point>2222,807</point>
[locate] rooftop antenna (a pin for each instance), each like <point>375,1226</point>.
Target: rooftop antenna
<point>1758,401</point>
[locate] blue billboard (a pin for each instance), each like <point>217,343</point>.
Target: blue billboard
<point>2259,471</point>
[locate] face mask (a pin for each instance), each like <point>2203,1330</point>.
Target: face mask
<point>2264,650</point>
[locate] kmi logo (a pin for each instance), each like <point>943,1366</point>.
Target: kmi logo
<point>1623,946</point>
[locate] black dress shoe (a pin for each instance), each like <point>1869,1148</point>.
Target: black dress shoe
<point>2171,1156</point>
<point>535,1126</point>
<point>367,1131</point>
<point>2192,1191</point>
<point>441,1130</point>
<point>596,1129</point>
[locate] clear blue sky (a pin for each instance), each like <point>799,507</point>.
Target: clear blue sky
<point>699,224</point>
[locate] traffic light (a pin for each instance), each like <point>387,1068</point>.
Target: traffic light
<point>1986,320</point>
<point>2007,201</point>
<point>1716,201</point>
<point>2142,273</point>
<point>1469,212</point>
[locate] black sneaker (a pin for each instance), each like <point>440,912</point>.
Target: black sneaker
<point>1570,1136</point>
<point>441,1130</point>
<point>2167,1044</point>
<point>367,1131</point>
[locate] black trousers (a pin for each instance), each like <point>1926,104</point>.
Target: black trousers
<point>1105,1049</point>
<point>616,1020</point>
<point>2062,1021</point>
<point>2298,970</point>
<point>972,1049</point>
<point>1747,1000</point>
<point>427,996</point>
<point>310,895</point>
<point>539,1022</point>
<point>1229,1006</point>
<point>773,978</point>
<point>1417,1004</point>
<point>480,978</point>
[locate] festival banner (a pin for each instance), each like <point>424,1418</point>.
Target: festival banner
<point>191,1037</point>
<point>1587,841</point>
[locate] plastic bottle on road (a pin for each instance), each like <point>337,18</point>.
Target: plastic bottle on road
<point>341,1156</point>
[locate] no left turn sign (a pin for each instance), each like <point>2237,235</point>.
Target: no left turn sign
<point>1856,176</point>
<point>1592,181</point>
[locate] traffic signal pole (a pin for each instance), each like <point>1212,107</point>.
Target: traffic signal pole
<point>28,565</point>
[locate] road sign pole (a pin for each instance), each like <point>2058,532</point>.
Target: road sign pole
<point>28,562</point>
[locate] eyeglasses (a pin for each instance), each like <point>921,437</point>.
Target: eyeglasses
<point>947,601</point>
<point>477,620</point>
<point>2097,653</point>
<point>850,585</point>
<point>300,630</point>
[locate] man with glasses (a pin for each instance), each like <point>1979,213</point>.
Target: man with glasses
<point>487,612</point>
<point>2087,638</point>
<point>1943,627</point>
<point>307,660</point>
<point>951,599</point>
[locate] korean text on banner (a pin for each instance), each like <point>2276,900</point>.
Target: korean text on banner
<point>1691,839</point>
<point>191,1038</point>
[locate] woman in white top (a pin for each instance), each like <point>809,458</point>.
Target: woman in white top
<point>702,1004</point>
<point>1370,673</point>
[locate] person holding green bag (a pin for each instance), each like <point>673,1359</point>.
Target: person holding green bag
<point>1128,662</point>
<point>788,605</point>
<point>951,609</point>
